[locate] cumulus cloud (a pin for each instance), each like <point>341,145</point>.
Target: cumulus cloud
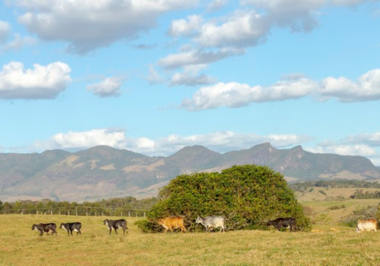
<point>241,29</point>
<point>197,57</point>
<point>96,24</point>
<point>248,26</point>
<point>5,29</point>
<point>187,27</point>
<point>110,87</point>
<point>83,140</point>
<point>234,94</point>
<point>40,82</point>
<point>367,88</point>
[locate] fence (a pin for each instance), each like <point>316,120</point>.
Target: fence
<point>78,211</point>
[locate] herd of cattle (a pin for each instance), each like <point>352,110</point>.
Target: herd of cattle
<point>170,223</point>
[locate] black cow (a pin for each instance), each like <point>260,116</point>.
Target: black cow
<point>45,228</point>
<point>284,222</point>
<point>70,227</point>
<point>117,224</point>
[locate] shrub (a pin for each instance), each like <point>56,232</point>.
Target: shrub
<point>247,196</point>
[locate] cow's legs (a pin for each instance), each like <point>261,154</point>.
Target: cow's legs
<point>115,230</point>
<point>110,230</point>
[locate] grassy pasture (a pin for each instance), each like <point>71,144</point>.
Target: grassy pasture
<point>19,245</point>
<point>333,217</point>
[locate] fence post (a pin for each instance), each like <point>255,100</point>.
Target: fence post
<point>37,212</point>
<point>129,214</point>
<point>76,211</point>
<point>68,212</point>
<point>51,212</point>
<point>144,214</point>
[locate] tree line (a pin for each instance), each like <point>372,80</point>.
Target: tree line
<point>113,206</point>
<point>304,186</point>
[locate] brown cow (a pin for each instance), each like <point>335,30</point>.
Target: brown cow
<point>366,225</point>
<point>172,222</point>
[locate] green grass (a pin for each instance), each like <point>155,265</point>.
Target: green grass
<point>19,245</point>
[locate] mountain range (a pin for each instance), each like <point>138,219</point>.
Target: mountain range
<point>105,172</point>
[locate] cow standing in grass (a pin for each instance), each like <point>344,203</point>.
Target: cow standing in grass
<point>70,227</point>
<point>212,222</point>
<point>366,225</point>
<point>45,228</point>
<point>172,222</point>
<point>116,224</point>
<point>284,222</point>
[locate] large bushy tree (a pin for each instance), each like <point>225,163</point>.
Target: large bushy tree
<point>248,196</point>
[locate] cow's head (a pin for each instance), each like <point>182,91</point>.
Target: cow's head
<point>270,223</point>
<point>61,226</point>
<point>34,227</point>
<point>105,222</point>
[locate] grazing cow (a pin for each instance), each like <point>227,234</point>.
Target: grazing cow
<point>212,222</point>
<point>172,222</point>
<point>284,222</point>
<point>116,224</point>
<point>45,228</point>
<point>366,225</point>
<point>70,227</point>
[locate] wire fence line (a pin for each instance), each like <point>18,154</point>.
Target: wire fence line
<point>78,211</point>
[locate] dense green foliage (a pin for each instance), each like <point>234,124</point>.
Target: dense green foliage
<point>248,196</point>
<point>114,206</point>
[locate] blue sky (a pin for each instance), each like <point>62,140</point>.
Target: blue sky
<point>155,76</point>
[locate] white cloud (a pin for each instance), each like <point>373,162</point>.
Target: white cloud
<point>216,5</point>
<point>110,87</point>
<point>241,29</point>
<point>5,29</point>
<point>83,140</point>
<point>40,82</point>
<point>191,77</point>
<point>234,94</point>
<point>87,25</point>
<point>184,27</point>
<point>367,88</point>
<point>196,57</point>
<point>237,95</point>
<point>359,149</point>
<point>18,43</point>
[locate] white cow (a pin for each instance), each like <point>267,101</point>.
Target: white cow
<point>212,222</point>
<point>366,225</point>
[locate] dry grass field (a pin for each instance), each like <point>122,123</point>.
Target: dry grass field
<point>321,209</point>
<point>327,245</point>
